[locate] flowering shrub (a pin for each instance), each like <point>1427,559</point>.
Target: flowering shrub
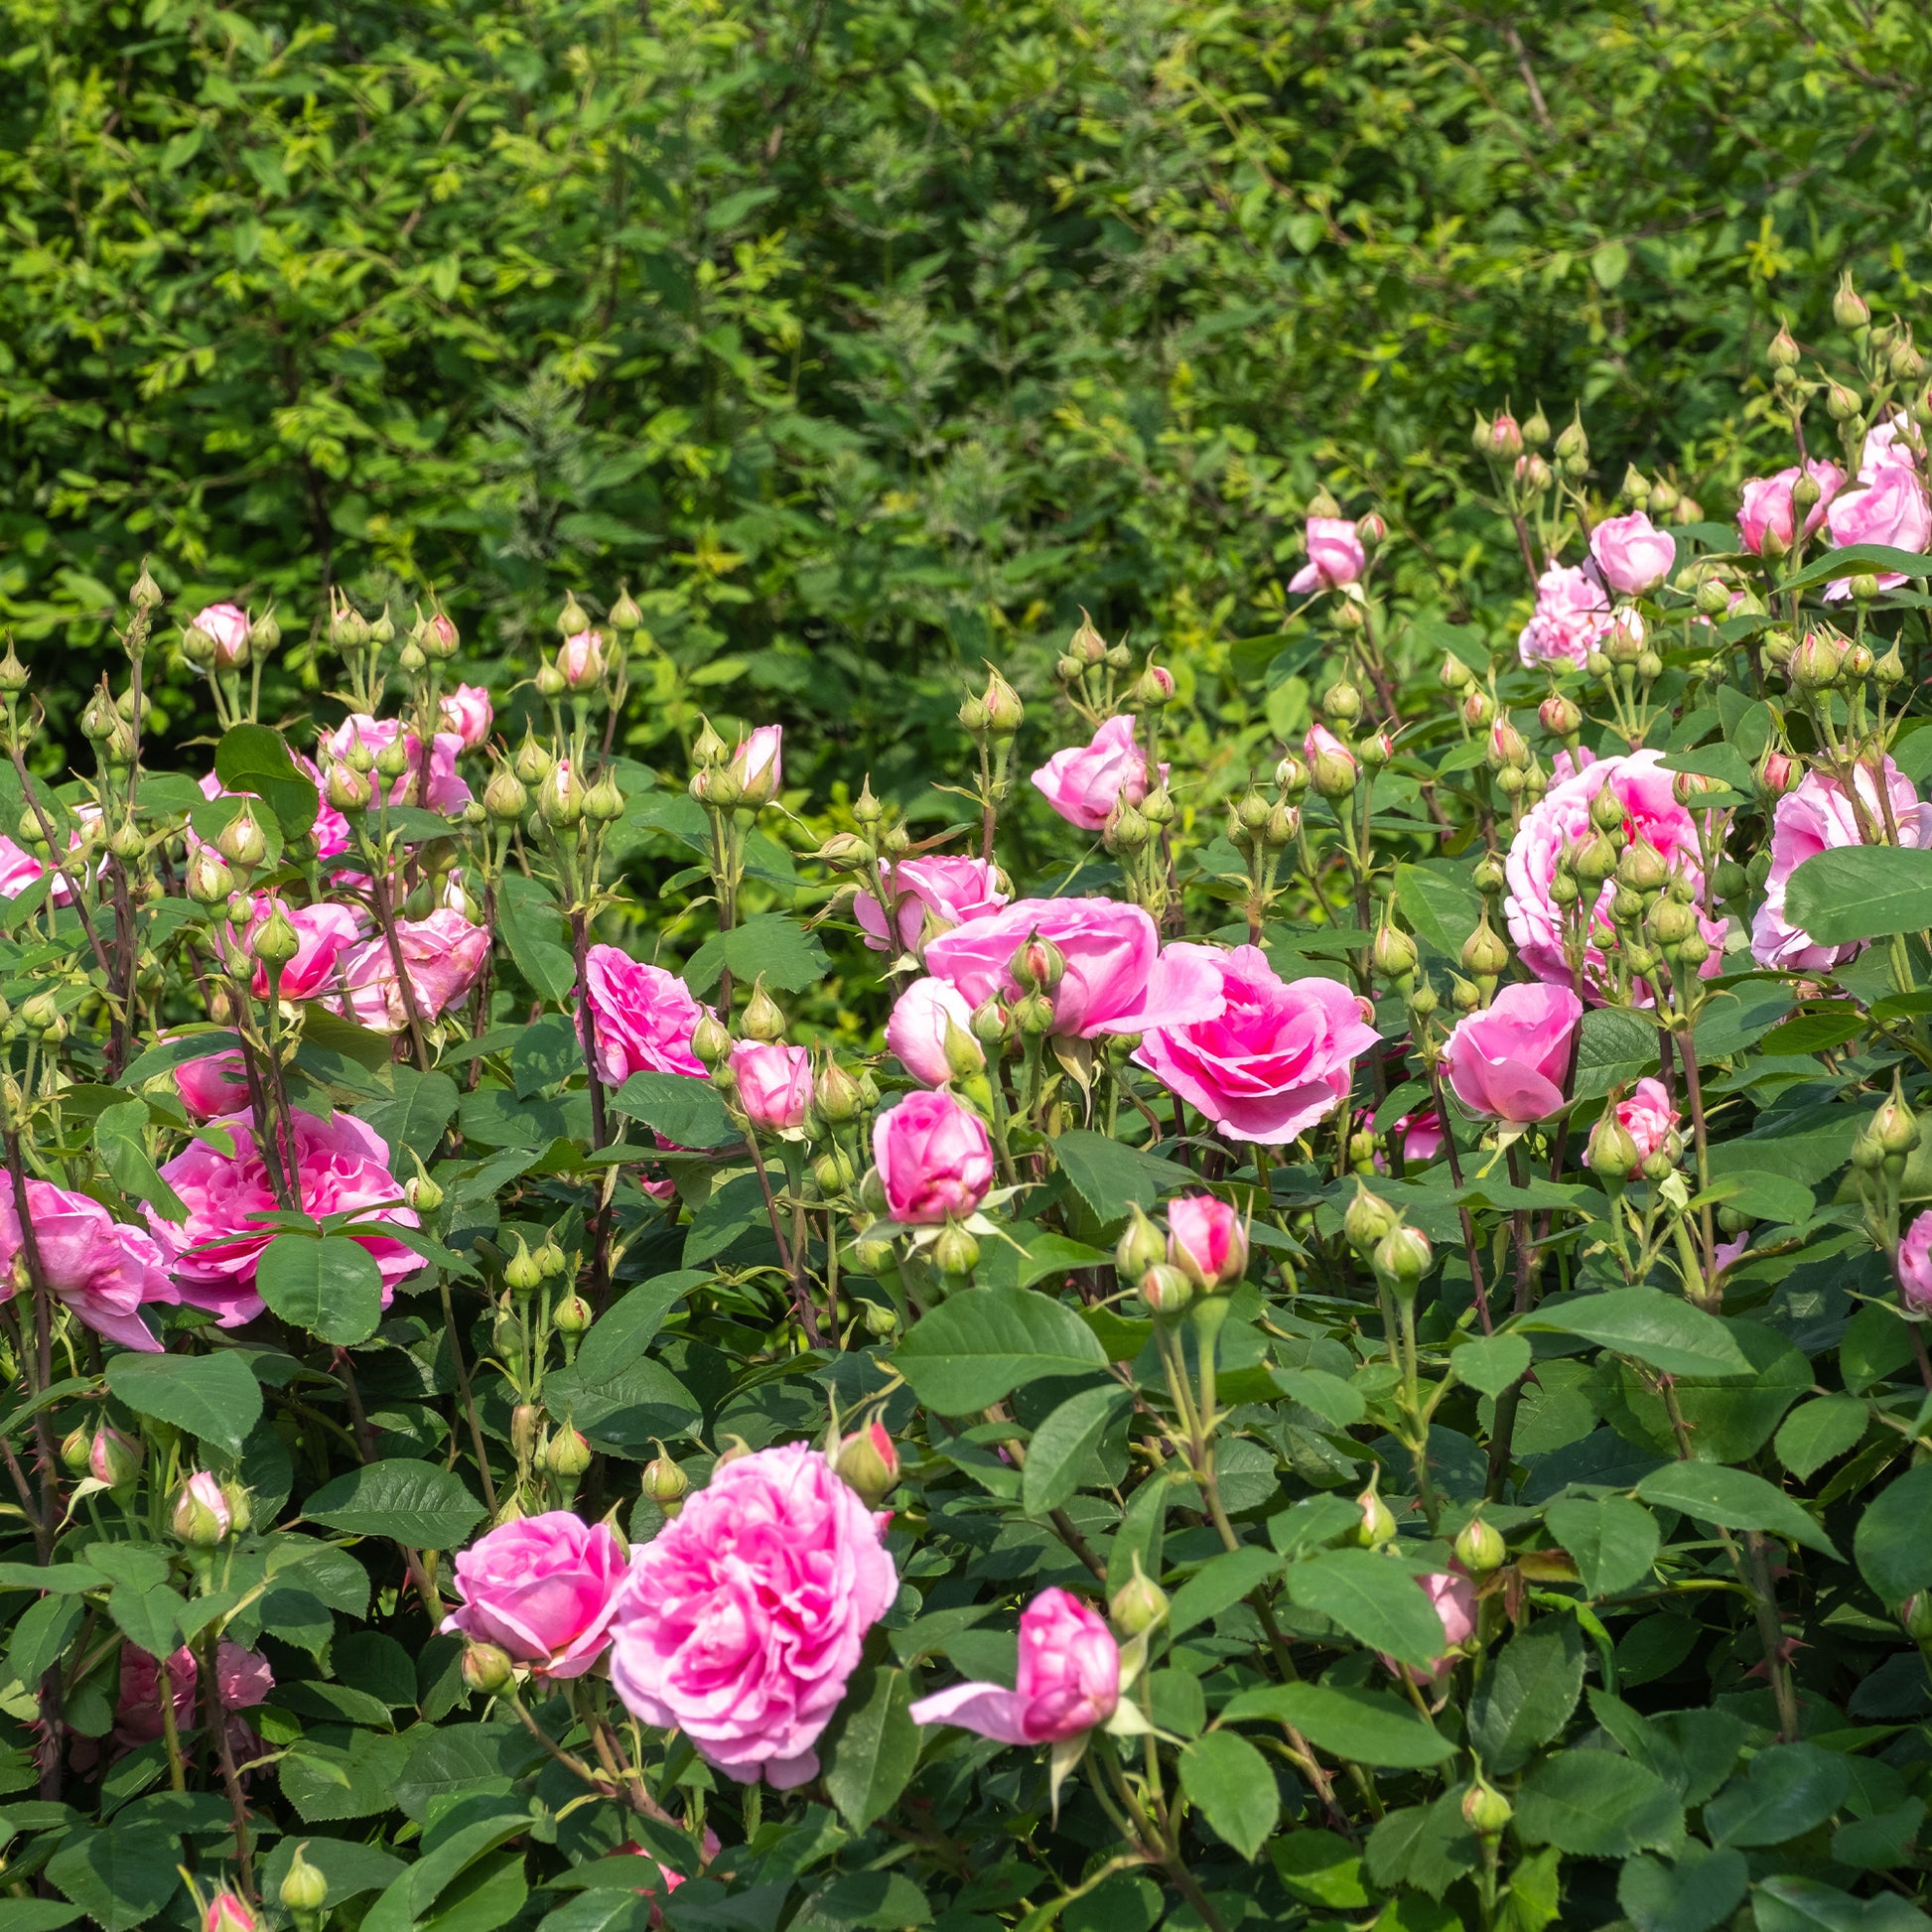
<point>1353,1356</point>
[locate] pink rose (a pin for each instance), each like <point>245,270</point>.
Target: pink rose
<point>18,869</point>
<point>1206,1240</point>
<point>1319,742</point>
<point>929,894</point>
<point>747,1612</point>
<point>447,794</point>
<point>1632,555</point>
<point>215,1084</point>
<point>229,1911</point>
<point>1084,783</point>
<point>1888,506</point>
<point>1117,979</point>
<point>774,1083</point>
<point>933,1158</point>
<point>759,765</point>
<point>1561,817</point>
<point>1276,1058</point>
<point>643,1017</point>
<point>322,934</point>
<point>242,1679</point>
<point>543,1590</point>
<point>103,1270</point>
<point>1767,507</point>
<point>1915,1266</point>
<point>580,659</point>
<point>917,1029</point>
<point>340,1165</point>
<point>1885,448</point>
<point>1420,1137</point>
<point>1818,817</point>
<point>1647,1117</point>
<point>442,954</point>
<point>466,712</point>
<point>1454,1599</point>
<point>1069,1679</point>
<point>227,625</point>
<point>1335,556</point>
<point>1510,1060</point>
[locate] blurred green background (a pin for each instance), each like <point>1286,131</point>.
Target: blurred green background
<point>869,339</point>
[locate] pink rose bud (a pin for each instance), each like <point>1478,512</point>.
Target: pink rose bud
<point>868,1461</point>
<point>1084,783</point>
<point>212,1086</point>
<point>201,1516</point>
<point>226,625</point>
<point>1915,1266</point>
<point>465,711</point>
<point>934,1160</point>
<point>1633,556</point>
<point>1206,1241</point>
<point>114,1459</point>
<point>1069,1679</point>
<point>1335,556</point>
<point>1647,1117</point>
<point>229,1911</point>
<point>1454,1599</point>
<point>543,1591</point>
<point>932,894</point>
<point>1767,507</point>
<point>774,1083</point>
<point>757,766</point>
<point>580,661</point>
<point>1509,1061</point>
<point>931,1028</point>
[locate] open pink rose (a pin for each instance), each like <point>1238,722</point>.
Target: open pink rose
<point>774,1083</point>
<point>466,712</point>
<point>1766,507</point>
<point>1084,783</point>
<point>1889,507</point>
<point>1647,1117</point>
<point>543,1590</point>
<point>1561,817</point>
<point>1454,1599</point>
<point>227,625</point>
<point>447,792</point>
<point>1335,556</point>
<point>242,1679</point>
<point>1818,817</point>
<point>214,1086</point>
<point>1274,1061</point>
<point>1069,1679</point>
<point>1206,1240</point>
<point>1117,980</point>
<point>933,1157</point>
<point>1420,1137</point>
<point>442,954</point>
<point>931,894</point>
<point>643,1017</point>
<point>103,1270</point>
<point>323,933</point>
<point>917,1027</point>
<point>1914,1266</point>
<point>340,1165</point>
<point>747,1612</point>
<point>1511,1059</point>
<point>1632,555</point>
<point>1885,447</point>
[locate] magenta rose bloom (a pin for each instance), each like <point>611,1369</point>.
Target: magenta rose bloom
<point>774,1083</point>
<point>934,1159</point>
<point>1632,555</point>
<point>1084,783</point>
<point>1274,1061</point>
<point>1766,507</point>
<point>442,954</point>
<point>543,1590</point>
<point>1915,1266</point>
<point>917,1029</point>
<point>1647,1117</point>
<point>1818,817</point>
<point>745,1613</point>
<point>1420,1137</point>
<point>447,794</point>
<point>1335,556</point>
<point>933,893</point>
<point>103,1270</point>
<point>1206,1240</point>
<point>1561,817</point>
<point>466,712</point>
<point>1069,1679</point>
<point>1887,507</point>
<point>1509,1060</point>
<point>340,1165</point>
<point>643,1017</point>
<point>323,933</point>
<point>228,628</point>
<point>213,1085</point>
<point>1117,981</point>
<point>242,1679</point>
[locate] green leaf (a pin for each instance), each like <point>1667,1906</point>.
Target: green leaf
<point>1790,1903</point>
<point>331,1288</point>
<point>166,1054</point>
<point>415,1116</point>
<point>1233,1787</point>
<point>253,759</point>
<point>547,1051</point>
<point>1376,1599</point>
<point>684,1109</point>
<point>1789,1789</point>
<point>770,946</point>
<point>626,1328</point>
<point>1219,1583</point>
<point>1614,1542</point>
<point>151,1620</point>
<point>1699,1892</point>
<point>410,1502</point>
<point>41,1633</point>
<point>1063,1445</point>
<point>531,925</point>
<point>351,1867</point>
<point>1856,557</point>
<point>1861,891</point>
<point>1112,1176</point>
<point>1890,1545</point>
<point>1734,1498</point>
<point>212,1397</point>
<point>1820,1432</point>
<point>1336,1401</point>
<point>1527,1694</point>
<point>976,1348</point>
<point>121,1877</point>
<point>872,1745</point>
<point>1593,1805</point>
<point>1368,1727</point>
<point>1648,1325</point>
<point>1491,1363</point>
<point>120,1139</point>
<point>36,1914</point>
<point>1439,903</point>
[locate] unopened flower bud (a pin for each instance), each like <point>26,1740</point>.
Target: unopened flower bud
<point>1480,1549</point>
<point>1915,1615</point>
<point>1401,1258</point>
<point>1893,1126</point>
<point>209,880</point>
<point>1377,1525</point>
<point>560,798</point>
<point>956,1252</point>
<point>1003,711</point>
<point>869,1463</point>
<point>1139,1603</point>
<point>74,1447</point>
<point>1368,1220</point>
<point>1393,953</point>
<point>835,1093</point>
<point>202,1518</point>
<point>572,1315</point>
<point>241,841</point>
<point>533,760</point>
<point>1613,1153</point>
<point>486,1669</point>
<point>664,1483</point>
<point>523,1273</point>
<point>229,1911</point>
<point>567,1454</point>
<point>1485,954</point>
<point>1140,1245</point>
<point>763,1019</point>
<point>1037,966</point>
<point>1849,309</point>
<point>114,1459</point>
<point>1165,1291</point>
<point>1485,1810</point>
<point>711,1041</point>
<point>1291,778</point>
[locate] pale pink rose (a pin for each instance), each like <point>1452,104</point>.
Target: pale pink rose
<point>1561,817</point>
<point>213,1085</point>
<point>1069,1679</point>
<point>1647,1117</point>
<point>1631,554</point>
<point>466,712</point>
<point>227,625</point>
<point>1454,1599</point>
<point>1318,742</point>
<point>543,1590</point>
<point>331,828</point>
<point>1420,1137</point>
<point>340,1165</point>
<point>1915,1266</point>
<point>759,765</point>
<point>1335,556</point>
<point>1084,783</point>
<point>916,1029</point>
<point>580,659</point>
<point>229,1911</point>
<point>442,954</point>
<point>1766,506</point>
<point>1118,979</point>
<point>203,1500</point>
<point>1885,448</point>
<point>934,891</point>
<point>1818,817</point>
<point>746,1614</point>
<point>242,1679</point>
<point>1206,1240</point>
<point>774,1083</point>
<point>447,794</point>
<point>643,1017</point>
<point>1510,1060</point>
<point>323,933</point>
<point>1888,507</point>
<point>18,869</point>
<point>933,1157</point>
<point>102,1269</point>
<point>1276,1058</point>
